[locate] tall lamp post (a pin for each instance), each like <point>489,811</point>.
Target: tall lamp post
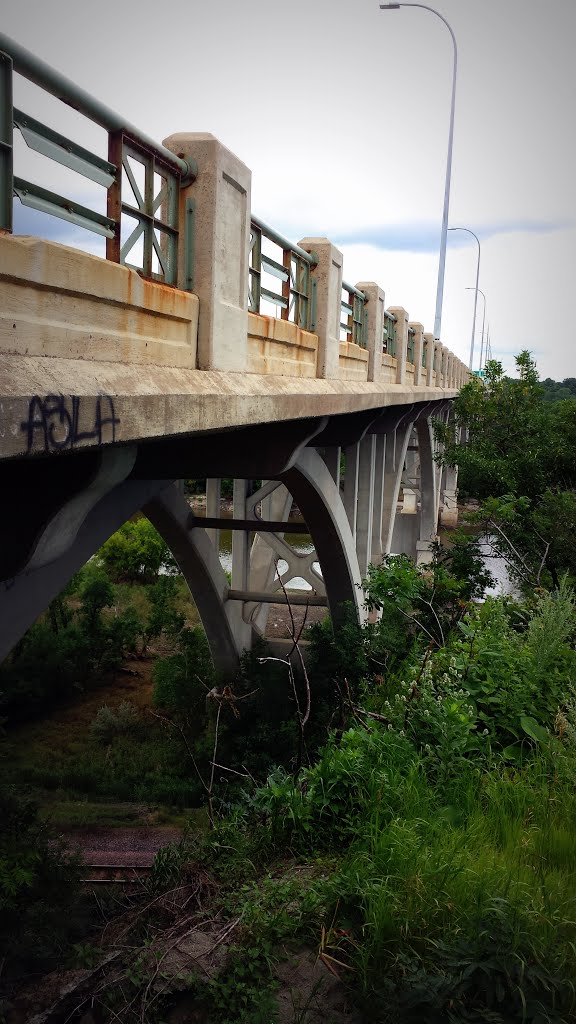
<point>443,236</point>
<point>483,324</point>
<point>476,293</point>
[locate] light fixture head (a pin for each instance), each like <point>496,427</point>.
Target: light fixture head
<point>390,7</point>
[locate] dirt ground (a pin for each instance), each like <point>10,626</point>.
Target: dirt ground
<point>279,623</point>
<point>134,847</point>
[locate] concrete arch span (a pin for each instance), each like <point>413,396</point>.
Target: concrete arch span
<point>25,596</point>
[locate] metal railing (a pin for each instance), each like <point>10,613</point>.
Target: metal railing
<point>150,205</point>
<point>353,315</point>
<point>423,357</point>
<point>389,334</point>
<point>289,264</point>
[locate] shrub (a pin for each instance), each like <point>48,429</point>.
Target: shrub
<point>110,723</point>
<point>136,552</point>
<point>41,912</point>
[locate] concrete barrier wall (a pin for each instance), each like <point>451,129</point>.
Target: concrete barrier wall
<point>58,302</point>
<point>280,347</point>
<point>389,369</point>
<point>352,362</point>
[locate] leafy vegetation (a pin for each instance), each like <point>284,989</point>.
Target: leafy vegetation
<point>518,460</point>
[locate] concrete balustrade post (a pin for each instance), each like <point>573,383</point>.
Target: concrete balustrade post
<point>444,367</point>
<point>437,378</point>
<point>429,342</point>
<point>401,342</point>
<point>214,248</point>
<point>328,275</point>
<point>375,307</point>
<point>419,370</point>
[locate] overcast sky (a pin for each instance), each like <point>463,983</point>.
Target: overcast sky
<point>341,111</point>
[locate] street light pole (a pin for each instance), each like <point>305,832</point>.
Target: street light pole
<point>443,236</point>
<point>483,323</point>
<point>476,293</point>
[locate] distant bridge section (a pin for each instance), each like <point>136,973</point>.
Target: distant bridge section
<point>204,345</point>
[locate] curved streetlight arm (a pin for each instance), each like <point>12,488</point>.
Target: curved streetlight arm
<point>443,235</point>
<point>476,291</point>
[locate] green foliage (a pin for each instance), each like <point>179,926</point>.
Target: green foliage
<point>421,604</point>
<point>41,913</point>
<point>110,723</point>
<point>68,651</point>
<point>182,680</point>
<point>260,730</point>
<point>490,687</point>
<point>554,391</point>
<point>518,459</point>
<point>164,616</point>
<point>136,552</point>
<point>243,995</point>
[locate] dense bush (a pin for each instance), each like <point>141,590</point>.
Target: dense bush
<point>41,912</point>
<point>68,650</point>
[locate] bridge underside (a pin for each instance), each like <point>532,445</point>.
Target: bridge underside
<point>386,495</point>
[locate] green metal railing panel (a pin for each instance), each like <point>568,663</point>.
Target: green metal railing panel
<point>424,356</point>
<point>296,299</point>
<point>389,334</point>
<point>5,142</point>
<point>152,209</point>
<point>64,151</point>
<point>42,199</point>
<point>353,316</point>
<point>158,235</point>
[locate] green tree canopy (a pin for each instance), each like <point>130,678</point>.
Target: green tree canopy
<point>515,454</point>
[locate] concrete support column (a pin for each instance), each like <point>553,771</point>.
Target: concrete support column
<point>449,497</point>
<point>350,496</point>
<point>331,457</point>
<point>319,501</point>
<point>394,455</point>
<point>429,342</point>
<point>401,342</point>
<point>374,327</point>
<point>213,493</point>
<point>419,370</point>
<point>214,248</point>
<point>428,491</point>
<point>328,275</point>
<point>240,538</point>
<point>365,501</point>
<point>378,507</point>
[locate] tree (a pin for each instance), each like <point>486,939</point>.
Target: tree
<point>136,553</point>
<point>518,460</point>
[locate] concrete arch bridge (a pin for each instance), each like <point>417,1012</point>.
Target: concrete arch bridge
<point>205,345</point>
